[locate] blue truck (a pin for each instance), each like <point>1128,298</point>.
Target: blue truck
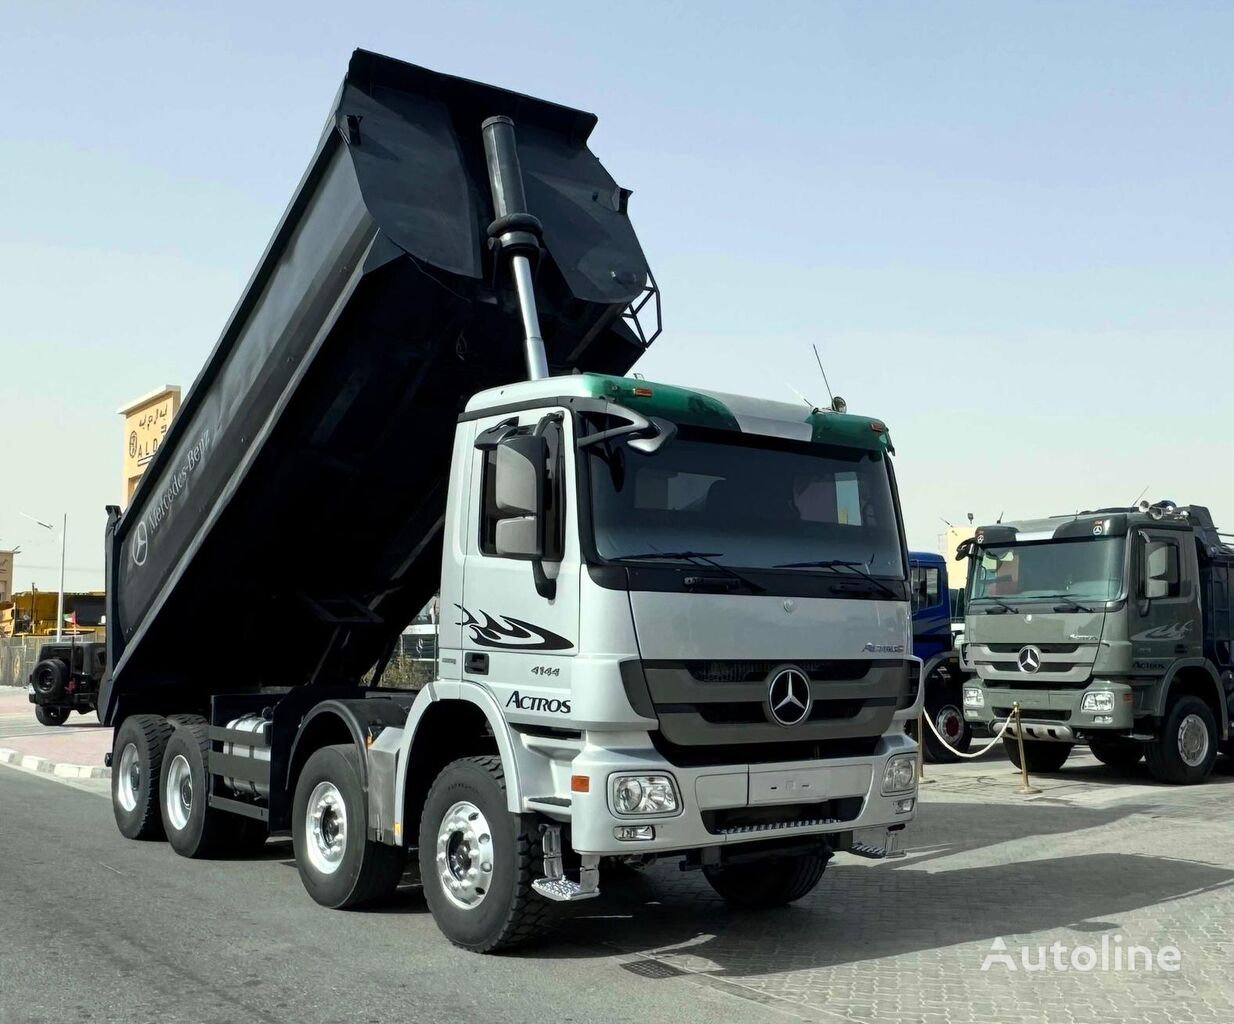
<point>941,670</point>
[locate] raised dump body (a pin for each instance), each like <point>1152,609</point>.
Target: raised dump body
<point>297,503</point>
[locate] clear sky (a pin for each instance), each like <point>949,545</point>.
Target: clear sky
<point>1007,226</point>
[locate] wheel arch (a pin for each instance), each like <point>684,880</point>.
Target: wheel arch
<point>1196,677</point>
<point>340,721</point>
<point>442,729</point>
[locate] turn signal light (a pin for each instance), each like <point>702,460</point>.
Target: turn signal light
<point>580,783</point>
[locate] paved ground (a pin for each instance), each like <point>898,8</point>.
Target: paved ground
<point>131,933</point>
<point>80,740</point>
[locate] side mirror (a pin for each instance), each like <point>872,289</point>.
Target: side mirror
<point>518,490</point>
<point>1160,569</point>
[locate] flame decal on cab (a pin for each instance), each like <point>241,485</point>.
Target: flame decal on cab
<point>510,634</point>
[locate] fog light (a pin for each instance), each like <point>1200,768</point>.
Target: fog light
<point>1098,700</point>
<point>973,715</point>
<point>973,697</point>
<point>905,806</point>
<point>1103,719</point>
<point>634,833</point>
<point>643,795</point>
<point>900,774</point>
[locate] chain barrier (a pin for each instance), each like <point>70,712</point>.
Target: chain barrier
<point>1026,787</point>
<point>959,753</point>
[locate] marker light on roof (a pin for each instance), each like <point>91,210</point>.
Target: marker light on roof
<point>642,392</point>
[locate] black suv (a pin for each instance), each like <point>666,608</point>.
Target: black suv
<point>67,678</point>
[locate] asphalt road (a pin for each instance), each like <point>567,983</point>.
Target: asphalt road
<point>95,928</point>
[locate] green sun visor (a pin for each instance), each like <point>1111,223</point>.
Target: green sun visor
<point>695,409</point>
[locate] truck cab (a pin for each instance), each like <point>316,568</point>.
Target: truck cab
<point>933,644</point>
<point>1110,628</point>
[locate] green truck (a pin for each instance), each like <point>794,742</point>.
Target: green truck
<point>1110,628</point>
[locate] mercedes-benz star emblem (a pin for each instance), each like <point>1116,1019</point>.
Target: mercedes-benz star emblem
<point>141,544</point>
<point>1029,659</point>
<point>788,696</point>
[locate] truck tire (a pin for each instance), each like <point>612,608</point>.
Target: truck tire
<point>944,707</point>
<point>50,715</point>
<point>1116,752</point>
<point>193,828</point>
<point>477,860</point>
<point>49,678</point>
<point>339,865</point>
<point>1043,756</point>
<point>136,764</point>
<point>1186,746</point>
<point>769,883</point>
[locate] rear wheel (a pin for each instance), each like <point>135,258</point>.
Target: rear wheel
<point>1116,752</point>
<point>477,860</point>
<point>48,715</point>
<point>339,865</point>
<point>1186,747</point>
<point>194,828</point>
<point>768,883</point>
<point>942,707</point>
<point>136,762</point>
<point>1042,755</point>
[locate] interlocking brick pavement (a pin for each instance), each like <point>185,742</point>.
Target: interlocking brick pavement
<point>1095,855</point>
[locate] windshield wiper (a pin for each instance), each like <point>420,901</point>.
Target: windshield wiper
<point>1071,601</point>
<point>999,601</point>
<point>840,563</point>
<point>704,557</point>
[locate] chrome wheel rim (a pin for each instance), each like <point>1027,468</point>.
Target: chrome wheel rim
<point>1192,741</point>
<point>325,826</point>
<point>950,724</point>
<point>128,777</point>
<point>178,794</point>
<point>465,855</point>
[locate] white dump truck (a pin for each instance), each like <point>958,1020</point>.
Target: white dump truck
<point>672,623</point>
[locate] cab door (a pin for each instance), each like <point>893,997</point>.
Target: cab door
<point>519,633</point>
<point>1165,599</point>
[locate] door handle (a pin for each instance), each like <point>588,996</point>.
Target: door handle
<point>477,664</point>
<point>1180,648</point>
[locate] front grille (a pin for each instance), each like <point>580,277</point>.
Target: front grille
<point>1035,681</point>
<point>730,712</point>
<point>1034,714</point>
<point>1043,648</point>
<point>753,820</point>
<point>710,755</point>
<point>757,671</point>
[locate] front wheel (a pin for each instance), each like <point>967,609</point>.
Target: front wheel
<point>478,860</point>
<point>1186,747</point>
<point>48,715</point>
<point>773,882</point>
<point>339,865</point>
<point>1116,752</point>
<point>1043,756</point>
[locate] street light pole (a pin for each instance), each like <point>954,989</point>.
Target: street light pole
<point>60,603</point>
<point>60,600</point>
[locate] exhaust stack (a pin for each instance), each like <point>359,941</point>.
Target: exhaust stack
<point>515,233</point>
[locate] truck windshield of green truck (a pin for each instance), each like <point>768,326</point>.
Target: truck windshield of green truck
<point>1082,569</point>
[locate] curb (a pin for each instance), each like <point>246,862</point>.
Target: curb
<point>47,767</point>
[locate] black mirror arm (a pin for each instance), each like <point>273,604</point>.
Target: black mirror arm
<point>545,587</point>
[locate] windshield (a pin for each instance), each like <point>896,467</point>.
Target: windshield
<point>1083,569</point>
<point>747,501</point>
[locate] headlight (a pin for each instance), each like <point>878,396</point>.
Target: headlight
<point>1098,700</point>
<point>900,774</point>
<point>639,795</point>
<point>973,697</point>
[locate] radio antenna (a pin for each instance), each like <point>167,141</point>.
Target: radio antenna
<point>819,359</point>
<point>1136,500</point>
